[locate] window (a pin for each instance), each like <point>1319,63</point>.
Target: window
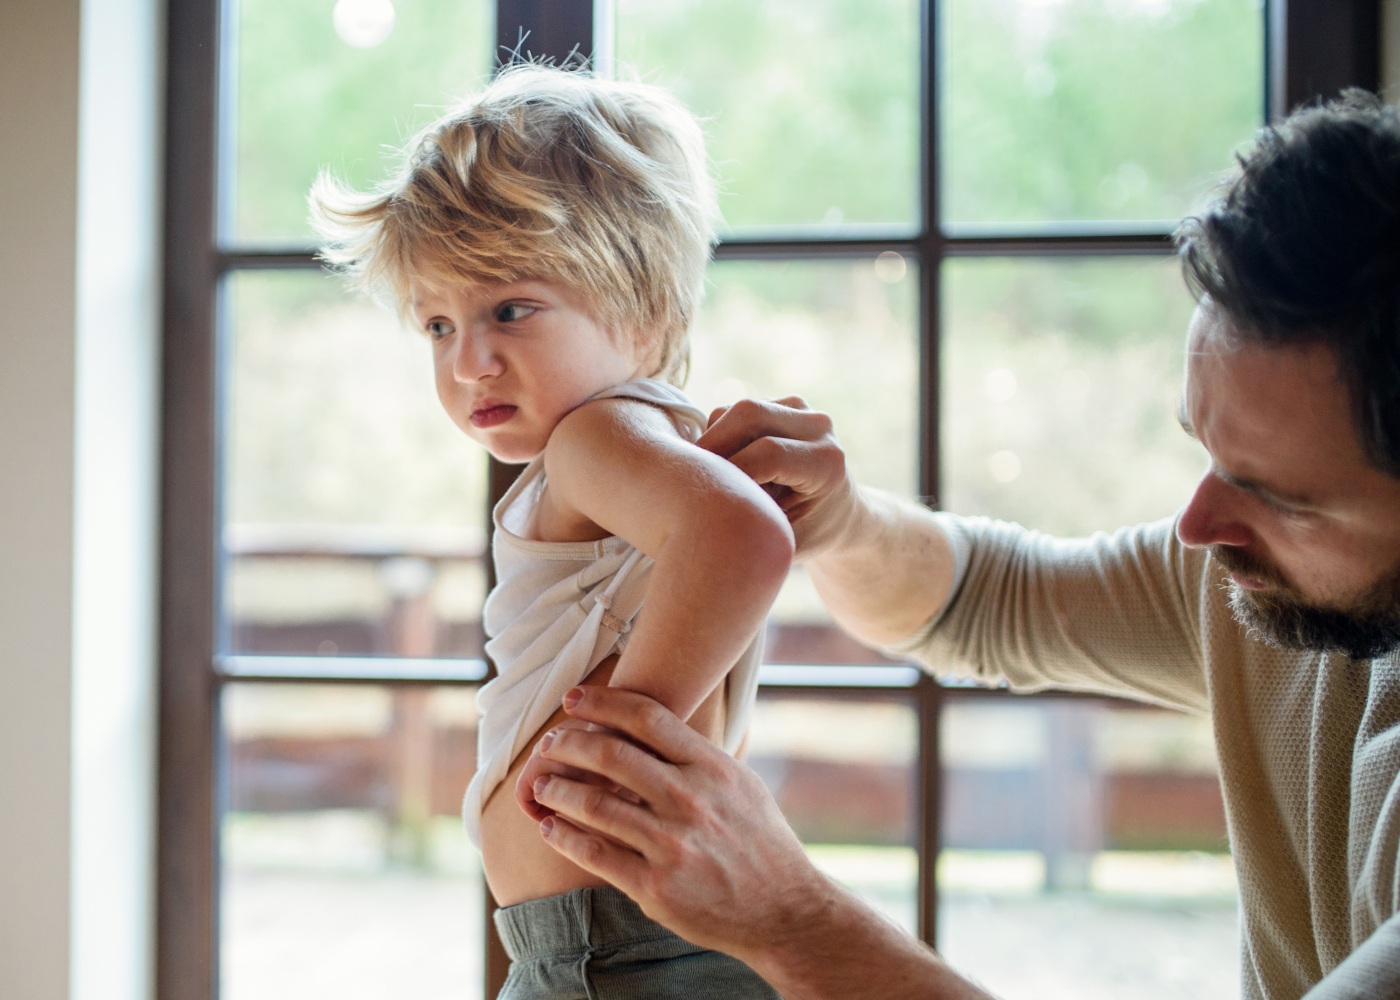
<point>946,223</point>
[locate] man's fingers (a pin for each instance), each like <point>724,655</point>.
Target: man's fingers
<point>613,764</point>
<point>802,466</point>
<point>779,444</point>
<point>535,768</point>
<point>637,717</point>
<point>592,852</point>
<point>734,427</point>
<point>597,810</point>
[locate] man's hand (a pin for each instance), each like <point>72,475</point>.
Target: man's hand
<point>881,564</point>
<point>791,451</point>
<point>694,837</point>
<point>699,843</point>
<point>539,766</point>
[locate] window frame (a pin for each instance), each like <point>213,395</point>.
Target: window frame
<point>1312,47</point>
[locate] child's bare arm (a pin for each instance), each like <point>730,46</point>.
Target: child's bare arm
<point>721,547</point>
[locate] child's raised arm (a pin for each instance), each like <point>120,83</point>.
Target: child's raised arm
<point>720,545</point>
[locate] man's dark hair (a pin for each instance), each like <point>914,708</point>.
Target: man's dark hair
<point>1303,246</point>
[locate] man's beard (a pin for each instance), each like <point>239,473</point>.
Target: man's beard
<point>1364,627</point>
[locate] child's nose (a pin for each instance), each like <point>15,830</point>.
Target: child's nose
<point>474,360</point>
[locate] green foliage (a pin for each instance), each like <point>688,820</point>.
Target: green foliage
<point>1094,109</point>
<point>306,100</point>
<point>812,105</point>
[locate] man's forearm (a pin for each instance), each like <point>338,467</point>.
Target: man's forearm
<point>842,950</point>
<point>889,570</point>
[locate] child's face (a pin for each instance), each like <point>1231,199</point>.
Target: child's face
<point>512,359</point>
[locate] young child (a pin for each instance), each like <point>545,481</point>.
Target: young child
<point>550,238</point>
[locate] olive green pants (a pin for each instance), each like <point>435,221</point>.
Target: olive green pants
<point>596,944</point>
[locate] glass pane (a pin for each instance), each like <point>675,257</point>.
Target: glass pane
<point>355,513</point>
<point>843,770</point>
<point>812,106</point>
<point>1088,840</point>
<point>333,85</point>
<point>346,871</point>
<point>1078,110</point>
<point>843,335</point>
<point>1060,388</point>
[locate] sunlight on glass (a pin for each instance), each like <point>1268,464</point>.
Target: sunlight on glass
<point>1001,384</point>
<point>838,334</point>
<point>1004,466</point>
<point>363,23</point>
<point>890,267</point>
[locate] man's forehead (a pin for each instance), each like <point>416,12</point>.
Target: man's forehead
<point>1211,330</point>
<point>1275,419</point>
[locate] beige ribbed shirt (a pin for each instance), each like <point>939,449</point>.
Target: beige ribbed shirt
<point>1309,743</point>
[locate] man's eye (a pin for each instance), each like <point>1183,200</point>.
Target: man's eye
<point>1283,509</point>
<point>437,329</point>
<point>513,312</point>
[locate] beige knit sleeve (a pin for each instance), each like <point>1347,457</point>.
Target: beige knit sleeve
<point>1116,614</point>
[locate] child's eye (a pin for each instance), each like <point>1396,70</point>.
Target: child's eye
<point>513,312</point>
<point>437,329</point>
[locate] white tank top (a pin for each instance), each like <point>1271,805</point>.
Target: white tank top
<point>559,608</point>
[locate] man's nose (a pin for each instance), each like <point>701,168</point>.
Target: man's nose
<point>1212,515</point>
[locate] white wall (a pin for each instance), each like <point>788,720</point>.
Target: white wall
<point>115,524</point>
<point>79,111</point>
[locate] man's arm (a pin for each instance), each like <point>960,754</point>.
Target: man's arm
<point>1372,970</point>
<point>702,847</point>
<point>881,565</point>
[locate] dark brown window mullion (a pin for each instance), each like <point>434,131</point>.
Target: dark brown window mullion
<point>930,252</point>
<point>187,854</point>
<point>1316,48</point>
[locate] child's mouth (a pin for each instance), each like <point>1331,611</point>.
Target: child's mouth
<point>490,416</point>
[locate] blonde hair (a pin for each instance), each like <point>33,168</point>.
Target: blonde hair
<point>548,174</point>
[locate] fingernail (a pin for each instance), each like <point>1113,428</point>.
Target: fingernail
<point>546,741</point>
<point>540,784</point>
<point>547,825</point>
<point>572,697</point>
